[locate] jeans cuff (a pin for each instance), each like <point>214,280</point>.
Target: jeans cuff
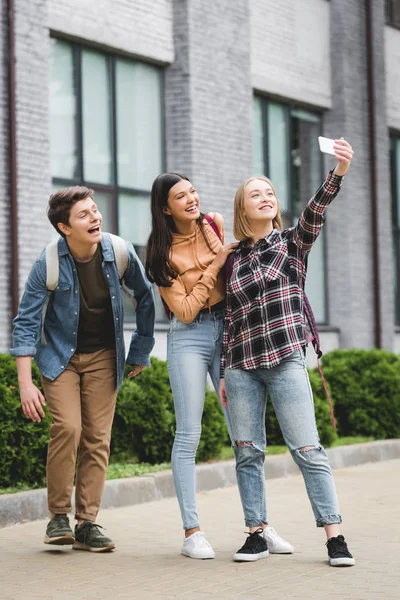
<point>253,523</point>
<point>329,520</point>
<point>186,527</point>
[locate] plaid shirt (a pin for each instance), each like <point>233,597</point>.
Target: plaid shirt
<point>264,319</point>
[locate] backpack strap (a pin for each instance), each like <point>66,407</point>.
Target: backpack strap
<point>52,274</point>
<point>120,254</point>
<point>52,265</point>
<point>213,226</point>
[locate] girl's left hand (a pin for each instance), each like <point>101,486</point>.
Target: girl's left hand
<point>344,154</point>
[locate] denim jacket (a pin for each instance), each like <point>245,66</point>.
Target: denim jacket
<point>62,315</point>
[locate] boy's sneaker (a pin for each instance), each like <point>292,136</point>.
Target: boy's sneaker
<point>89,537</point>
<point>196,546</point>
<point>255,547</point>
<point>59,532</point>
<point>276,544</point>
<point>339,555</point>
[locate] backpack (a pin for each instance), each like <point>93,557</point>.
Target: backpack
<point>52,267</point>
<point>311,336</point>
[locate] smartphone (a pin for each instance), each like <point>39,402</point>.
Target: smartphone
<point>326,145</point>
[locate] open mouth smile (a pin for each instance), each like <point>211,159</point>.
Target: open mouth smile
<point>191,209</point>
<point>94,230</point>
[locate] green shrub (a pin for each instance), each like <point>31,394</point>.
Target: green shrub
<point>144,422</point>
<point>23,443</point>
<point>326,431</point>
<point>365,385</point>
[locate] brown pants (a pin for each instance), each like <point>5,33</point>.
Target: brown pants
<point>81,402</point>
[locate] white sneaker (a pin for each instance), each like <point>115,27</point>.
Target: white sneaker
<point>196,546</point>
<point>277,545</point>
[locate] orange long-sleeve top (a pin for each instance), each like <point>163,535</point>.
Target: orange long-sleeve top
<point>199,283</point>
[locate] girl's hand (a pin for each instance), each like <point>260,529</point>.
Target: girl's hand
<point>344,154</point>
<point>223,254</point>
<point>222,393</point>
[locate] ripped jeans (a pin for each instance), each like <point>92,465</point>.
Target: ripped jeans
<point>289,388</point>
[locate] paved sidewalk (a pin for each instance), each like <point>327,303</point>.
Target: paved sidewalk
<point>147,564</point>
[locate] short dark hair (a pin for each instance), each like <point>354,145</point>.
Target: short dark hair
<point>61,202</point>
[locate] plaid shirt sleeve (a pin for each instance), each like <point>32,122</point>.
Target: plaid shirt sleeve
<point>312,218</point>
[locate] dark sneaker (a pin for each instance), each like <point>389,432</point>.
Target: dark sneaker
<point>255,547</point>
<point>59,532</point>
<point>339,555</point>
<point>89,537</point>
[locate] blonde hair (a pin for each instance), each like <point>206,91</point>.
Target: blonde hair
<point>241,226</point>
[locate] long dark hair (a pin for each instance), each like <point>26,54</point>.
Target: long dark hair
<point>158,265</point>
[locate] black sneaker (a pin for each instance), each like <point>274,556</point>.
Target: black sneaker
<point>59,532</point>
<point>89,537</point>
<point>255,547</point>
<point>339,555</point>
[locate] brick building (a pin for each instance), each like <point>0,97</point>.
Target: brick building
<point>112,92</point>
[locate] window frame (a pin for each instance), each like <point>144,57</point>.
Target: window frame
<point>389,16</point>
<point>114,189</point>
<point>289,106</point>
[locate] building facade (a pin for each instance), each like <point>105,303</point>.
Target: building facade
<point>110,93</point>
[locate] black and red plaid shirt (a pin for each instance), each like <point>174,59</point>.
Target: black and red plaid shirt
<point>264,320</point>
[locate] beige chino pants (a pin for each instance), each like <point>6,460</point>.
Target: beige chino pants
<point>81,402</point>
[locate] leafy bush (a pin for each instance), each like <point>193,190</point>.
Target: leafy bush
<point>365,385</point>
<point>326,431</point>
<point>23,443</point>
<point>144,422</point>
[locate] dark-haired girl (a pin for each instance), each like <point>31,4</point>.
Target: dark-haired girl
<point>185,258</point>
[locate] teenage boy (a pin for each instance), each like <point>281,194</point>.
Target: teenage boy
<point>77,341</point>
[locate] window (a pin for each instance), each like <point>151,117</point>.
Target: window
<point>106,132</point>
<point>392,12</point>
<point>395,181</point>
<point>285,149</point>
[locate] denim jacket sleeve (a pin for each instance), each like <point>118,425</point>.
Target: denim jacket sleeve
<point>27,323</point>
<point>142,341</point>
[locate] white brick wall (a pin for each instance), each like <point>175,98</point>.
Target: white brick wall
<point>290,55</point>
<point>142,28</point>
<point>392,66</point>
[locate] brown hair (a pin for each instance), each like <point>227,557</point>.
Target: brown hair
<point>61,202</point>
<point>241,227</point>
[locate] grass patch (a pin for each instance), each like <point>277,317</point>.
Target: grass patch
<point>348,441</point>
<point>130,469</point>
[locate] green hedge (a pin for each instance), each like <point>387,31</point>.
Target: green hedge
<point>365,388</point>
<point>365,385</point>
<point>23,443</point>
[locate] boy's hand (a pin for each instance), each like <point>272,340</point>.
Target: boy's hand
<point>32,401</point>
<point>135,371</point>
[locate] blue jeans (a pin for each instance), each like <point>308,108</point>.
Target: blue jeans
<point>192,351</point>
<point>289,388</point>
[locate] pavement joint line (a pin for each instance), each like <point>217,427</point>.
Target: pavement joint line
<point>32,505</point>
